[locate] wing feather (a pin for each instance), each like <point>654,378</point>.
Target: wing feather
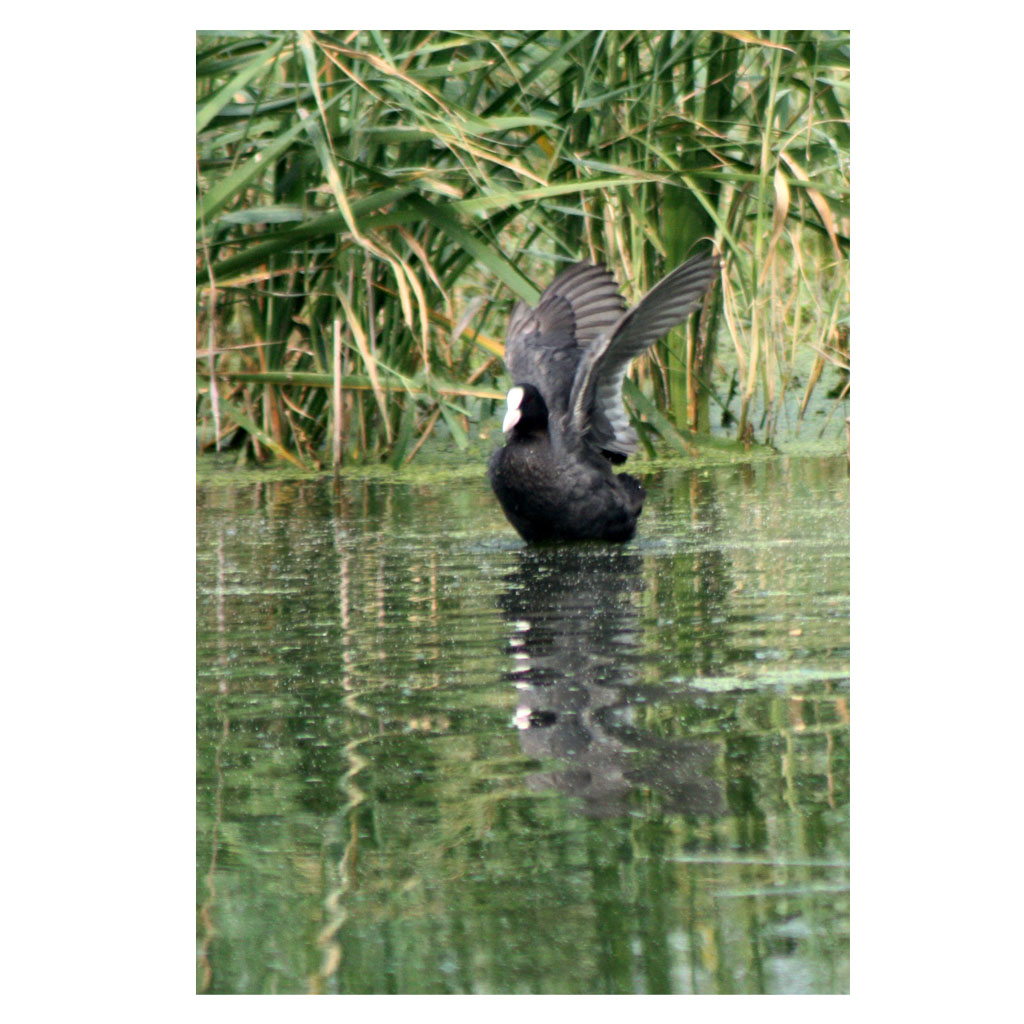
<point>596,400</point>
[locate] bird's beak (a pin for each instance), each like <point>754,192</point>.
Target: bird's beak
<point>514,413</point>
<point>512,417</point>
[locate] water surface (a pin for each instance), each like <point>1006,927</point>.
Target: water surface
<point>432,759</point>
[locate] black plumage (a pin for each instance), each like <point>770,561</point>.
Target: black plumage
<point>566,424</point>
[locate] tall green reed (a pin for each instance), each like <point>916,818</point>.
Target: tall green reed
<point>369,204</point>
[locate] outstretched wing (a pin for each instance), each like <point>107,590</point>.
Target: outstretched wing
<point>591,291</point>
<point>543,346</point>
<point>596,398</point>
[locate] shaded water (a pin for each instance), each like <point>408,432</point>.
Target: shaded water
<point>432,759</point>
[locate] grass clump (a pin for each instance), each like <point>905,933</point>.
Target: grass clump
<point>369,204</point>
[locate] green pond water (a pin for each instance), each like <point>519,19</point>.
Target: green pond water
<point>432,759</point>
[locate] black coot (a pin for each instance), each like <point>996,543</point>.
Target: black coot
<point>566,424</point>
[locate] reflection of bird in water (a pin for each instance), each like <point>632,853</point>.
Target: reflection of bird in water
<point>574,642</point>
